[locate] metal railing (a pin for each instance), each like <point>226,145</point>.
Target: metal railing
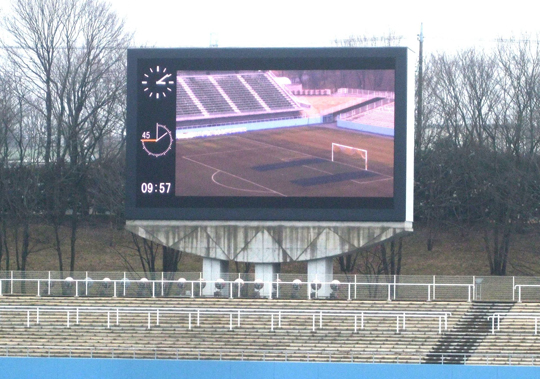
<point>496,319</point>
<point>519,287</point>
<point>267,355</point>
<point>285,286</point>
<point>224,288</point>
<point>234,315</point>
<point>365,108</point>
<point>355,91</point>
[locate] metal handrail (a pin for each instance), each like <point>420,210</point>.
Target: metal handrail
<point>496,319</point>
<point>119,286</point>
<point>282,355</point>
<point>319,314</point>
<point>520,286</point>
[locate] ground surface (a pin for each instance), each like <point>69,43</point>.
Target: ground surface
<point>456,251</point>
<point>285,162</point>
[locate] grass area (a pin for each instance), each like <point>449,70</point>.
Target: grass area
<point>101,247</point>
<point>459,251</point>
<point>450,255</point>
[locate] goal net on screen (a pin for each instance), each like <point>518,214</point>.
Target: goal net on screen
<point>351,156</point>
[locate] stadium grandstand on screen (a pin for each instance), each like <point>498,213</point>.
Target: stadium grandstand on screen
<point>268,134</point>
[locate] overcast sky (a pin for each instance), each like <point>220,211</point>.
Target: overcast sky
<point>447,25</point>
<point>242,23</point>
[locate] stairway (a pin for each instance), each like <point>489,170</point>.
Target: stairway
<point>455,346</point>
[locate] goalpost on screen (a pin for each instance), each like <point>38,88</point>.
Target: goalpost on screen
<point>349,155</point>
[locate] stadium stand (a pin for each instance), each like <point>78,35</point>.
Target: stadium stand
<point>467,334</point>
<point>214,99</point>
<point>187,106</point>
<point>271,94</point>
<point>514,341</point>
<point>239,93</point>
<point>388,330</point>
<point>297,338</point>
<point>382,117</point>
<point>211,99</point>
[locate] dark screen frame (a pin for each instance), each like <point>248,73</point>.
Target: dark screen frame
<point>263,208</point>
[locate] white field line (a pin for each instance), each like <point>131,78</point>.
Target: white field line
<point>235,176</point>
<point>233,188</point>
<point>314,156</point>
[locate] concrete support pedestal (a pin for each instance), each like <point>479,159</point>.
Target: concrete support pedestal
<point>321,270</point>
<point>266,272</point>
<point>267,244</point>
<point>214,269</point>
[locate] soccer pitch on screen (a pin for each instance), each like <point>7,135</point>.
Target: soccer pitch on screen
<point>268,134</point>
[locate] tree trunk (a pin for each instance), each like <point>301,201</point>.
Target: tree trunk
<point>25,250</point>
<point>497,247</point>
<point>392,266</point>
<point>6,247</point>
<point>171,258</point>
<point>73,240</point>
<point>58,246</point>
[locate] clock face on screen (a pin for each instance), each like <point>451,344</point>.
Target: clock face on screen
<point>157,82</point>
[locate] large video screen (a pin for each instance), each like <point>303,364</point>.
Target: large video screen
<point>267,134</point>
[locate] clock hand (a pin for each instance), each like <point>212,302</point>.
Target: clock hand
<point>162,80</point>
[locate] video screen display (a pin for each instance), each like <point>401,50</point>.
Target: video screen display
<point>267,134</point>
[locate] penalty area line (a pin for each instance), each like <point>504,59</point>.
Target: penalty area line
<point>234,176</point>
<point>234,188</point>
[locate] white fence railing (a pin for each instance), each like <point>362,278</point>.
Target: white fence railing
<point>283,286</point>
<point>274,317</point>
<point>232,289</point>
<point>496,319</point>
<point>365,108</point>
<point>363,92</point>
<point>519,288</point>
<point>365,356</point>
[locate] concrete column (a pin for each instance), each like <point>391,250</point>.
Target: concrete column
<point>214,269</point>
<point>267,273</point>
<point>323,271</point>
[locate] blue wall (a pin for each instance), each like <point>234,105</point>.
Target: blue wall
<point>366,128</point>
<point>48,368</point>
<point>249,126</point>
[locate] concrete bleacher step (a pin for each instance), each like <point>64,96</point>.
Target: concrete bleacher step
<point>515,340</point>
<point>466,335</point>
<point>296,335</point>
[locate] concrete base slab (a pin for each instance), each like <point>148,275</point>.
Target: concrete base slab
<point>267,242</point>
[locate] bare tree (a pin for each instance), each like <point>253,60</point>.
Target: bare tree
<point>35,29</point>
<point>72,50</point>
<point>391,39</point>
<point>481,169</point>
<point>21,172</point>
<point>8,118</point>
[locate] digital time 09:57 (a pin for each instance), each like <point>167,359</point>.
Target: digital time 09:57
<point>162,188</point>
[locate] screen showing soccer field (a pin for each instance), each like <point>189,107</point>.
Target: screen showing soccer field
<point>270,134</point>
<point>285,133</point>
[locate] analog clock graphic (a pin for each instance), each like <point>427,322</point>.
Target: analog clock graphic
<point>157,143</point>
<point>157,82</point>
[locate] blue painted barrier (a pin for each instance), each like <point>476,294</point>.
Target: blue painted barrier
<point>56,368</point>
<point>366,128</point>
<point>244,127</point>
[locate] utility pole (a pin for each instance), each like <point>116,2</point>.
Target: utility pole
<point>213,40</point>
<point>419,110</point>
